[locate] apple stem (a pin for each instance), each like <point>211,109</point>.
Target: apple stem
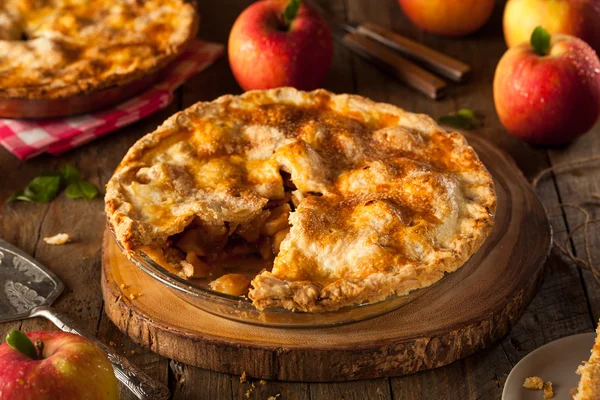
<point>540,41</point>
<point>39,349</point>
<point>290,12</point>
<point>20,342</point>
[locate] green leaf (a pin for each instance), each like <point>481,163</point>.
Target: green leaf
<point>540,41</point>
<point>18,195</point>
<point>73,191</point>
<point>81,189</point>
<point>466,113</point>
<point>70,174</point>
<point>291,10</point>
<point>46,186</point>
<point>462,119</point>
<point>20,342</point>
<point>89,191</point>
<point>42,189</point>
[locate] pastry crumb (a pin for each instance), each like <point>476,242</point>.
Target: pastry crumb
<point>112,343</point>
<point>132,296</point>
<point>248,393</point>
<point>533,383</point>
<point>274,397</point>
<point>262,382</point>
<point>123,286</point>
<point>58,239</point>
<point>132,352</point>
<point>548,393</point>
<point>243,377</point>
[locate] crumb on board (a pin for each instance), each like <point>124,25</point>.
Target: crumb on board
<point>548,393</point>
<point>132,352</point>
<point>112,343</point>
<point>274,397</point>
<point>132,296</point>
<point>533,383</point>
<point>253,387</point>
<point>248,392</point>
<point>243,377</point>
<point>58,239</point>
<point>123,286</point>
<point>262,382</point>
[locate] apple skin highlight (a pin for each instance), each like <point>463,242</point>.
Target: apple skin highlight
<point>72,368</point>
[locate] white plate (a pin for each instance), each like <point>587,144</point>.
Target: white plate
<point>555,362</point>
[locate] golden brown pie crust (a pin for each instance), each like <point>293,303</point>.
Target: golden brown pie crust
<point>53,49</point>
<point>589,384</point>
<point>389,203</point>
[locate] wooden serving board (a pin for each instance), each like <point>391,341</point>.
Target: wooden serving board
<point>465,312</point>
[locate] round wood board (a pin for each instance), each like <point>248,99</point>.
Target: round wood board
<point>463,313</point>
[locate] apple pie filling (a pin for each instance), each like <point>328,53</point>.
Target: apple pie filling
<point>210,252</point>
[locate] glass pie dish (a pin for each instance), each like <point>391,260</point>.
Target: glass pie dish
<point>239,308</point>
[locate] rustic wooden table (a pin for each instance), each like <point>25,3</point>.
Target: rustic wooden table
<point>568,302</point>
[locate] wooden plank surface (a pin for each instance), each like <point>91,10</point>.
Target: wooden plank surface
<point>568,302</point>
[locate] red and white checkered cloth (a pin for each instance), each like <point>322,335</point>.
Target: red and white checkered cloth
<point>28,138</point>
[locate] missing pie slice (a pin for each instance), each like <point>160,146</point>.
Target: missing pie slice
<point>343,199</point>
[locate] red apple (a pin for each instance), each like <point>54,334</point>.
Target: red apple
<point>549,98</point>
<point>70,368</point>
<point>448,17</point>
<point>579,18</point>
<point>266,50</point>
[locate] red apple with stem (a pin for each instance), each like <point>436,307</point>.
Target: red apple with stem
<point>280,43</point>
<point>51,365</point>
<point>547,92</point>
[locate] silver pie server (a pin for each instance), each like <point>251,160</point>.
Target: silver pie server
<point>27,289</point>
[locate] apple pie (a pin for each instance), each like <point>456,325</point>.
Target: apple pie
<point>346,200</point>
<point>53,49</point>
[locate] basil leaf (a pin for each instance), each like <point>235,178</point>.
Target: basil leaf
<point>455,121</point>
<point>540,41</point>
<point>42,189</point>
<point>462,119</point>
<point>81,189</point>
<point>18,195</point>
<point>46,186</point>
<point>22,198</point>
<point>73,191</point>
<point>291,10</point>
<point>70,174</point>
<point>88,190</point>
<point>466,113</point>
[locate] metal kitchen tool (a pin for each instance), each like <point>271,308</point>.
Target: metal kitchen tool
<point>27,289</point>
